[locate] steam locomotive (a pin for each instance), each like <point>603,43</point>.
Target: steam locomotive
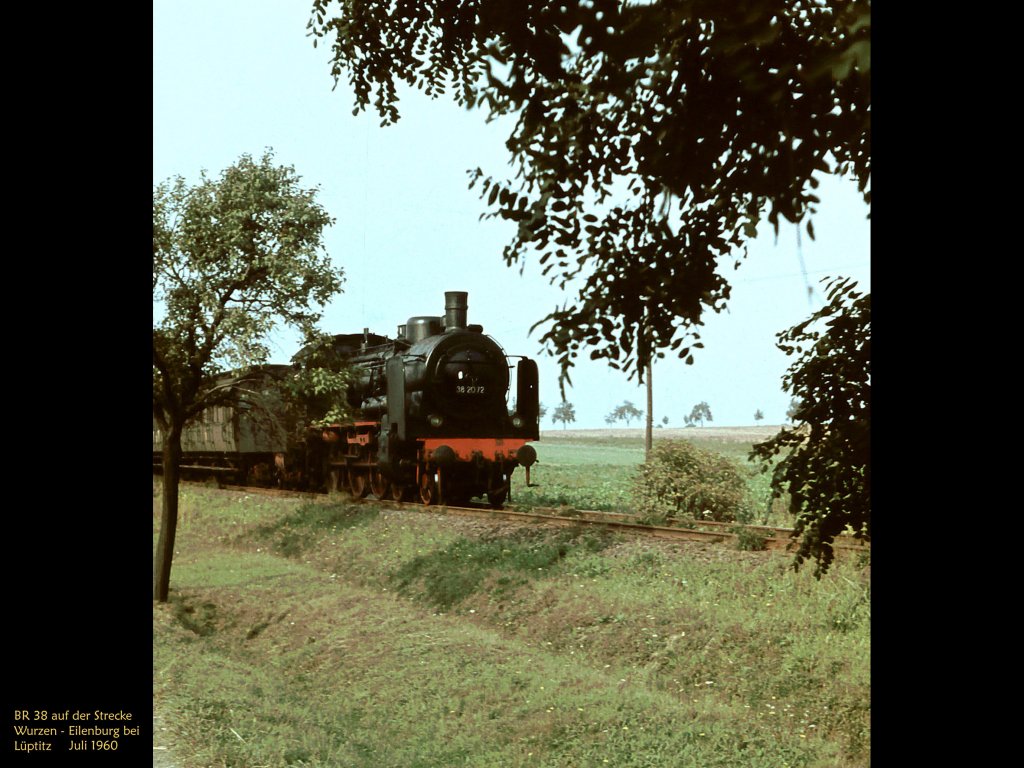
<point>432,421</point>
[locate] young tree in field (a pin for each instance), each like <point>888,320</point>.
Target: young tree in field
<point>758,415</point>
<point>710,116</point>
<point>542,411</point>
<point>564,413</point>
<point>234,258</point>
<point>700,412</point>
<point>649,423</point>
<point>625,412</point>
<point>826,469</point>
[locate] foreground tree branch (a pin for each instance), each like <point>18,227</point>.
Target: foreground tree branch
<point>650,139</point>
<point>825,464</point>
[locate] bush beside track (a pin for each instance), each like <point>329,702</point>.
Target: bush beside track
<point>598,470</point>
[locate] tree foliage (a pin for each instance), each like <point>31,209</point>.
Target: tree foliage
<point>565,412</point>
<point>234,258</point>
<point>625,412</point>
<point>758,415</point>
<point>649,140</point>
<point>318,383</point>
<point>700,412</point>
<point>825,465</point>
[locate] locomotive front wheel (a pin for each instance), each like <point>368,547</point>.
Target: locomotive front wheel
<point>497,498</point>
<point>428,489</point>
<point>497,494</point>
<point>378,484</point>
<point>358,483</point>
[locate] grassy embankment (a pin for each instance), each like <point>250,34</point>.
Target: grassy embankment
<point>332,634</point>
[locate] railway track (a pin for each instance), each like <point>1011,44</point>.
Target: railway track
<point>771,537</point>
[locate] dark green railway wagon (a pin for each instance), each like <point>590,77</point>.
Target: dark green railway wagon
<point>244,442</point>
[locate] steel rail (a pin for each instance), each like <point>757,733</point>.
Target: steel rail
<point>774,539</point>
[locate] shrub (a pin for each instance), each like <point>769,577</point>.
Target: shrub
<point>749,539</point>
<point>681,480</point>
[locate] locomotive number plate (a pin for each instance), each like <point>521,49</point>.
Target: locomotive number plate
<point>469,389</point>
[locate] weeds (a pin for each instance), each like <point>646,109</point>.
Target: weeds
<point>447,577</point>
<point>294,534</point>
<point>749,539</point>
<point>202,620</point>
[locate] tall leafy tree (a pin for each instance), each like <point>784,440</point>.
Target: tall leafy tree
<point>825,463</point>
<point>565,412</point>
<point>650,138</point>
<point>700,412</point>
<point>234,258</point>
<point>625,412</point>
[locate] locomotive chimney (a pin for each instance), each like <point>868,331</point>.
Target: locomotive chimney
<point>455,306</point>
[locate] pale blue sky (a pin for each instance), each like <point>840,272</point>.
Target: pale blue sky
<point>231,77</point>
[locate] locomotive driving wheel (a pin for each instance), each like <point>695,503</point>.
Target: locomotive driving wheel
<point>378,484</point>
<point>497,498</point>
<point>428,489</point>
<point>358,482</point>
<point>333,480</point>
<point>397,491</point>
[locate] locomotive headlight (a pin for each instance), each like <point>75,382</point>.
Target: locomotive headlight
<point>517,422</point>
<point>435,421</point>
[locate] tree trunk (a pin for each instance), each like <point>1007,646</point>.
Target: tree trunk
<point>649,437</point>
<point>169,517</point>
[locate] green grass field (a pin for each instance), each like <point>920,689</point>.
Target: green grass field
<point>334,634</point>
<point>596,471</point>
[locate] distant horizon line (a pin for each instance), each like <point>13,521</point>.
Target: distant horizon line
<point>663,429</point>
